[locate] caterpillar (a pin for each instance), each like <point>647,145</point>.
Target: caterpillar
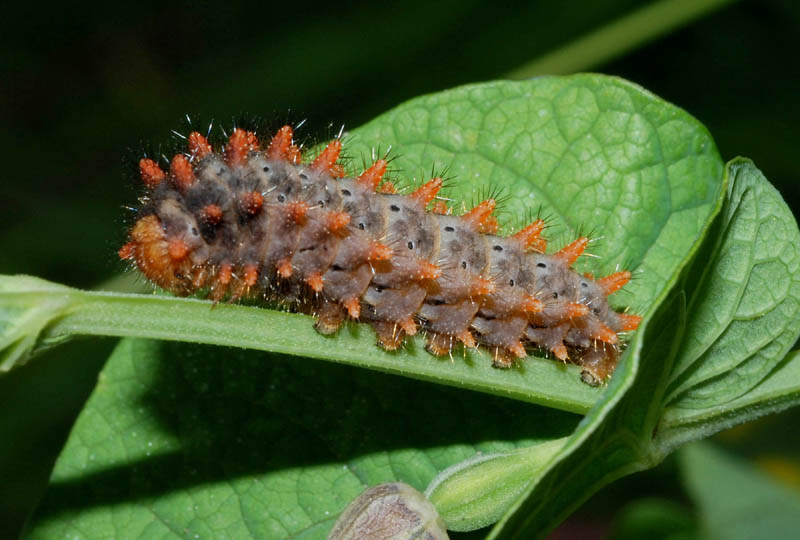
<point>259,221</point>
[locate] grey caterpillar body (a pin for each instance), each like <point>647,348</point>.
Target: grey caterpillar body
<point>259,222</point>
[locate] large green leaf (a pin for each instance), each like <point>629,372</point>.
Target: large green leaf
<point>743,316</point>
<point>744,313</point>
<point>592,151</point>
<point>181,440</point>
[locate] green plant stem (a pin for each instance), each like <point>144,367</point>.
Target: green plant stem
<point>623,35</point>
<point>62,312</point>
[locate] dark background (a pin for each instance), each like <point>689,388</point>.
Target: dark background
<point>84,87</point>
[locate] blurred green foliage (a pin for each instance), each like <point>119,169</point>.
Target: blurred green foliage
<point>83,86</point>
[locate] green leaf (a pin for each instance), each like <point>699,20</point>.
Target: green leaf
<point>592,152</point>
<point>734,500</point>
<point>39,404</point>
<point>744,315</point>
<point>180,440</point>
<point>779,391</point>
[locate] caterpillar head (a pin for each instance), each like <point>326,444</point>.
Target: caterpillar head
<point>167,246</point>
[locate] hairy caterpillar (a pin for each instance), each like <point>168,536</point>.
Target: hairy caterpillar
<point>253,220</point>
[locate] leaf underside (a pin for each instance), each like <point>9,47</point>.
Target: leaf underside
<point>743,317</point>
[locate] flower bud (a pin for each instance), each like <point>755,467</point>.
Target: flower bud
<point>393,511</point>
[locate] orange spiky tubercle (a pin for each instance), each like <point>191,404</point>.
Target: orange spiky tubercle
<point>326,161</point>
<point>240,144</point>
<point>151,173</point>
<point>198,145</point>
<point>570,253</point>
<point>182,172</point>
<point>251,220</point>
<point>481,218</point>
<point>282,147</point>
<point>427,191</point>
<point>371,177</point>
<point>614,282</point>
<point>531,238</point>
